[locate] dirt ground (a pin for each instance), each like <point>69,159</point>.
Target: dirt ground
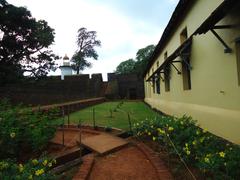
<point>126,164</point>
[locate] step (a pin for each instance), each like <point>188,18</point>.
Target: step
<point>104,143</point>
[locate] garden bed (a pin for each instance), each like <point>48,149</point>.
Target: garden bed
<point>189,150</point>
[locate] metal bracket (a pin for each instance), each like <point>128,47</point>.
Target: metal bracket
<point>226,26</point>
<point>176,61</point>
<point>184,61</point>
<point>161,78</point>
<point>227,49</point>
<point>188,65</point>
<point>179,72</point>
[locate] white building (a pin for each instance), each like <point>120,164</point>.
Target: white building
<point>66,69</point>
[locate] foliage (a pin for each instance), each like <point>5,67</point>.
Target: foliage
<point>24,44</point>
<point>126,67</point>
<point>86,41</point>
<point>37,169</point>
<point>136,66</point>
<point>142,58</point>
<point>214,156</point>
<point>23,130</point>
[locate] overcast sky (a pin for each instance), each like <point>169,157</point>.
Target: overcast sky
<point>123,26</point>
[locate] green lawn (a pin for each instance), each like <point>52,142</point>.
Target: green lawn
<point>138,111</point>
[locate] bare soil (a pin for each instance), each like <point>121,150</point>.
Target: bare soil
<point>128,164</point>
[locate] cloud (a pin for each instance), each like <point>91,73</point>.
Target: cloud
<point>122,26</point>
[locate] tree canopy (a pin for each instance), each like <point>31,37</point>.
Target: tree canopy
<point>139,64</point>
<point>126,67</point>
<point>24,44</point>
<point>86,41</point>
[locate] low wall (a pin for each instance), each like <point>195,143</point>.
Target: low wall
<point>70,107</point>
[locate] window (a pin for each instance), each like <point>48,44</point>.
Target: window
<point>183,36</point>
<point>238,59</point>
<point>185,62</point>
<point>186,73</point>
<point>158,80</point>
<point>153,81</point>
<point>167,74</point>
<point>153,85</point>
<point>158,84</point>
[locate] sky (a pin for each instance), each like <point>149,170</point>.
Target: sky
<point>122,26</point>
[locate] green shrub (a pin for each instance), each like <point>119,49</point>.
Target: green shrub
<point>214,156</point>
<point>22,129</point>
<point>33,169</point>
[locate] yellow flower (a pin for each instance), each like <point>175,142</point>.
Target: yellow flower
<point>39,172</point>
<point>149,133</point>
<point>206,160</point>
<point>50,164</point>
<point>20,168</point>
<point>154,138</point>
<point>35,161</point>
<point>45,162</point>
<point>202,139</point>
<point>208,155</point>
<point>30,177</point>
<point>161,131</point>
<point>188,152</point>
<point>186,144</point>
<point>222,154</point>
<point>170,128</point>
<point>197,132</point>
<point>194,142</point>
<point>12,134</point>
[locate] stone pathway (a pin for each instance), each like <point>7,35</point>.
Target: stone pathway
<point>104,143</point>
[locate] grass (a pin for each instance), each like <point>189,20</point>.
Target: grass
<point>138,111</point>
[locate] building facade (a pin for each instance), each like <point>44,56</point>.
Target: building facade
<point>195,68</point>
<point>125,86</point>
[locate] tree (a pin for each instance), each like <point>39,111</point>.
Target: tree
<point>24,44</point>
<point>86,41</point>
<point>139,65</point>
<point>125,67</point>
<point>142,58</point>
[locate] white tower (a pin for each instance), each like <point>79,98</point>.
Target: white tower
<point>66,69</point>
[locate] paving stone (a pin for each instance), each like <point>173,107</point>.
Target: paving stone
<point>104,143</point>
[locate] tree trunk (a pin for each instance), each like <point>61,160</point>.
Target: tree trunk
<point>77,70</point>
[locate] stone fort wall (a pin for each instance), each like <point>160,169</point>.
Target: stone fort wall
<point>53,90</point>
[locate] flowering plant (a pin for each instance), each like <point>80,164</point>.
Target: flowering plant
<point>23,129</point>
<point>214,156</point>
<point>34,169</point>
